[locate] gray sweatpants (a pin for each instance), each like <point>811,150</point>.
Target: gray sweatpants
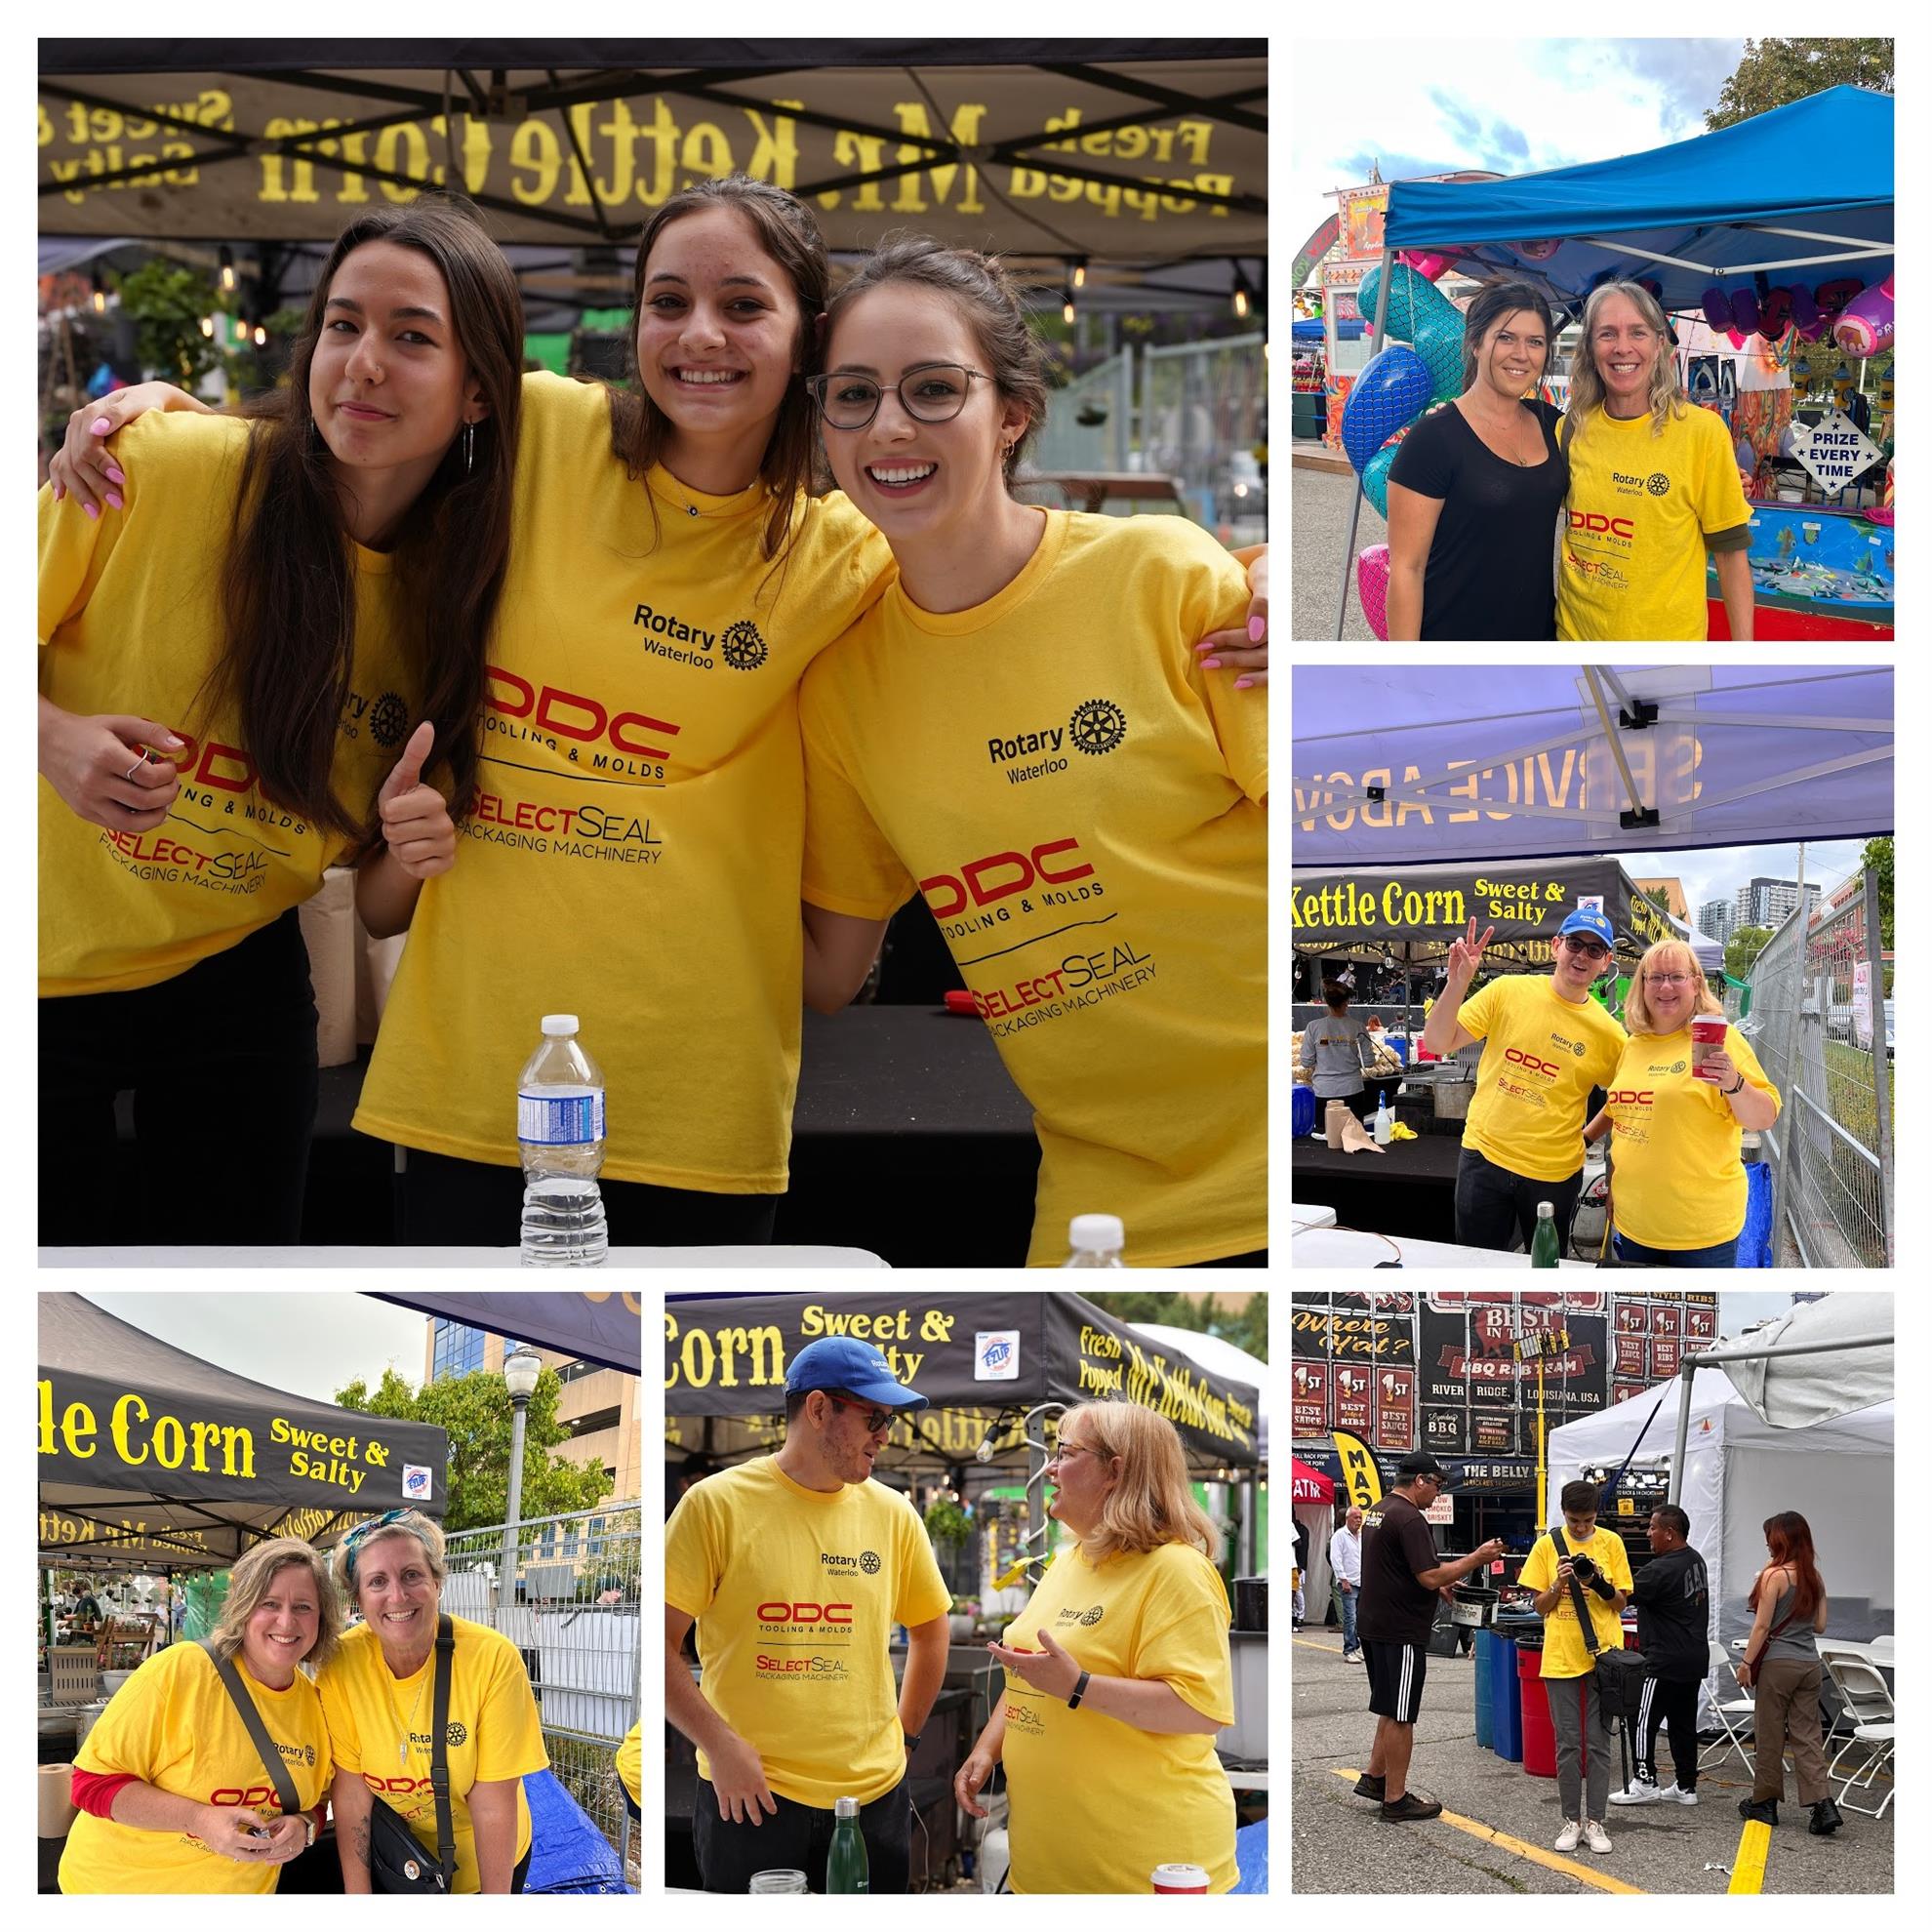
<point>1578,1717</point>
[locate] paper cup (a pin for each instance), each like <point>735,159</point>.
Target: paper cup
<point>1708,1034</point>
<point>1178,1879</point>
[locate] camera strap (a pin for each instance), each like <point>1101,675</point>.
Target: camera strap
<point>1584,1617</point>
<point>257,1731</point>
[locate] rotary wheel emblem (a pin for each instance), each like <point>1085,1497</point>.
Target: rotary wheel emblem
<point>868,1561</point>
<point>1097,726</point>
<point>455,1734</point>
<point>744,648</point>
<point>388,720</point>
<point>1089,1618</point>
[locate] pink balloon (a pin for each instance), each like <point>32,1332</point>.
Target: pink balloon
<point>1372,581</point>
<point>1426,264</point>
<point>1737,338</point>
<point>1866,324</point>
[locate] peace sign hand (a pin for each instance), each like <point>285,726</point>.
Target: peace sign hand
<point>1466,958</point>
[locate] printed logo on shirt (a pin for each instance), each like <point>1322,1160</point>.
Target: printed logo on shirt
<point>1052,871</point>
<point>388,721</point>
<point>1080,981</point>
<point>601,738</point>
<point>1097,726</point>
<point>867,1560</point>
<point>1656,483</point>
<point>664,633</point>
<point>455,1736</point>
<point>1567,1046</point>
<point>1086,1619</point>
<point>744,648</point>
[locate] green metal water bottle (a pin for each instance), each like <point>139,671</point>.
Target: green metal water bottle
<point>1543,1248</point>
<point>845,1864</point>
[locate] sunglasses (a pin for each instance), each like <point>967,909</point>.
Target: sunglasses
<point>875,1418</point>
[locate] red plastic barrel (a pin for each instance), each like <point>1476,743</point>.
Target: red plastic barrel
<point>1538,1733</point>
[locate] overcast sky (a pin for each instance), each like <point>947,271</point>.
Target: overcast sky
<point>304,1345</point>
<point>1512,105</point>
<point>1718,872</point>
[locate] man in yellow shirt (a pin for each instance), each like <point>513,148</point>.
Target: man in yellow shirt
<point>1601,1564</point>
<point>794,1568</point>
<point>1548,1044</point>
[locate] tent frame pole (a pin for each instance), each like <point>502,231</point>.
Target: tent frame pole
<point>1355,505</point>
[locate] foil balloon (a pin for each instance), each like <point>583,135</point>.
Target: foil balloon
<point>1372,581</point>
<point>1387,396</point>
<point>1375,478</point>
<point>1865,323</point>
<point>1538,251</point>
<point>1717,309</point>
<point>1430,265</point>
<point>1424,315</point>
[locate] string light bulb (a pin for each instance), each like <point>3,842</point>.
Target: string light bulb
<point>1080,274</point>
<point>228,260</point>
<point>1067,309</point>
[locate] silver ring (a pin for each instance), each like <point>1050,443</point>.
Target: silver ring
<point>127,776</point>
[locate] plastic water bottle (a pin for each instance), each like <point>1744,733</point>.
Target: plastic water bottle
<point>1096,1241</point>
<point>845,1866</point>
<point>1385,1128</point>
<point>560,1134</point>
<point>1543,1251</point>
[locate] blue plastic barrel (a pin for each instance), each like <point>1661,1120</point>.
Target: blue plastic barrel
<point>1301,1113</point>
<point>1485,1664</point>
<point>1506,1710</point>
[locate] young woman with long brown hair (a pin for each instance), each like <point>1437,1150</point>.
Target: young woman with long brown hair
<point>243,673</point>
<point>1780,1664</point>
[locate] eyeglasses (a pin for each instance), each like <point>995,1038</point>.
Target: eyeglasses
<point>1065,1449</point>
<point>1589,948</point>
<point>937,393</point>
<point>875,1418</point>
<point>1669,979</point>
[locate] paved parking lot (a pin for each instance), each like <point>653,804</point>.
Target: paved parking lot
<point>1318,508</point>
<point>1510,1820</point>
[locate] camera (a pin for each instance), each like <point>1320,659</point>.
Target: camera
<point>1583,1569</point>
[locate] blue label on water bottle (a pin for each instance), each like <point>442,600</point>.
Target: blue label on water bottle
<point>560,1121</point>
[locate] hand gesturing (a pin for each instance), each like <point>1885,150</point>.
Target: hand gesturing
<point>1466,955</point>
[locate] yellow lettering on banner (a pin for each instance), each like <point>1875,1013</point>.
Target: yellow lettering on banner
<point>964,130</point>
<point>404,150</point>
<point>775,157</point>
<point>75,1429</point>
<point>1098,1341</point>
<point>623,132</point>
<point>863,155</point>
<point>1102,1382</point>
<point>171,1443</point>
<point>706,151</point>
<point>661,132</point>
<point>533,150</point>
<point>697,1358</point>
<point>816,1321</point>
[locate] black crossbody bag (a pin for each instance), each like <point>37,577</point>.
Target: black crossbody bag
<point>396,1859</point>
<point>258,1732</point>
<point>1619,1672</point>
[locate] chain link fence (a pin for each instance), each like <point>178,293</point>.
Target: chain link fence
<point>1817,1025</point>
<point>575,1614</point>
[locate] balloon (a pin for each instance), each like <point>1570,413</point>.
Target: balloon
<point>1744,312</point>
<point>1375,478</point>
<point>1424,315</point>
<point>1387,396</point>
<point>1865,323</point>
<point>1372,581</point>
<point>1832,296</point>
<point>1717,309</point>
<point>1426,264</point>
<point>1538,251</point>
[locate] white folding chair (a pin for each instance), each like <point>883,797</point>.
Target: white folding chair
<point>1733,1703</point>
<point>1861,1687</point>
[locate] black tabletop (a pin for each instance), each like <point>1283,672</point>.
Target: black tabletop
<point>1429,1160</point>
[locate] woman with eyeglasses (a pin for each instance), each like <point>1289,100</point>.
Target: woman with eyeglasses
<point>1117,1675</point>
<point>1679,1117</point>
<point>1548,1043</point>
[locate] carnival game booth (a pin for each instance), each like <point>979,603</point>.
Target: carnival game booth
<point>152,1460</point>
<point>1779,226</point>
<point>997,1370</point>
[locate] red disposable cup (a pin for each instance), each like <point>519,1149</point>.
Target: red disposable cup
<point>1708,1032</point>
<point>1180,1878</point>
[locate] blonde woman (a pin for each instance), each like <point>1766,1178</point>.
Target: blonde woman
<point>173,1794</point>
<point>1680,1187</point>
<point>1118,1675</point>
<point>1654,485</point>
<point>380,1692</point>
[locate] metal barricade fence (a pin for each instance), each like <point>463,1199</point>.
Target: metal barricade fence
<point>1203,408</point>
<point>577,1619</point>
<point>1068,444</point>
<point>1831,1148</point>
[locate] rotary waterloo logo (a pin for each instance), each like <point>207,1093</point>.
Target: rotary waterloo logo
<point>741,647</point>
<point>868,1561</point>
<point>455,1736</point>
<point>388,721</point>
<point>1656,483</point>
<point>1097,726</point>
<point>1089,1618</point>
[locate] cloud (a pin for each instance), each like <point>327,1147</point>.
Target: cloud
<point>1461,123</point>
<point>1505,140</point>
<point>1395,167</point>
<point>1683,77</point>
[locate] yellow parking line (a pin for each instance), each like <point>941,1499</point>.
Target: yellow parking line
<point>1522,1848</point>
<point>1753,1849</point>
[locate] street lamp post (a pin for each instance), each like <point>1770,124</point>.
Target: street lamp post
<point>520,1373</point>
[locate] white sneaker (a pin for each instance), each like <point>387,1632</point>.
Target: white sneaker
<point>1672,1795</point>
<point>1595,1836</point>
<point>1641,1792</point>
<point>1566,1838</point>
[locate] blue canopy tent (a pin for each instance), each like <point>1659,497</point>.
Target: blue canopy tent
<point>1801,191</point>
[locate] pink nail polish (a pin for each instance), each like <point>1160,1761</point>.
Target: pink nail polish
<point>1243,683</point>
<point>92,510</point>
<point>114,499</point>
<point>1210,664</point>
<point>1256,629</point>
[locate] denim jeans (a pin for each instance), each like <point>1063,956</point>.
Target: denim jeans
<point>1723,1255</point>
<point>1350,1641</point>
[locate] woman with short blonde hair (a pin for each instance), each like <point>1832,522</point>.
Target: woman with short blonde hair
<point>1117,1673</point>
<point>1679,1114</point>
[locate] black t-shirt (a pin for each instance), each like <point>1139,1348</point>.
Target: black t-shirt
<point>1397,1545</point>
<point>1491,573</point>
<point>1673,1598</point>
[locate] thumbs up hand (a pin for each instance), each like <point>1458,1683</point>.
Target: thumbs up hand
<point>416,821</point>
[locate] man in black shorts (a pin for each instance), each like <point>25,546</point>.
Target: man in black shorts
<point>1401,1577</point>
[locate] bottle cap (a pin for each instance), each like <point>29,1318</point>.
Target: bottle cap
<point>559,1025</point>
<point>1096,1230</point>
<point>846,1807</point>
<point>958,1000</point>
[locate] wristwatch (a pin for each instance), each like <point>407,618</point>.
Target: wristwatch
<point>1738,1089</point>
<point>1079,1691</point>
<point>911,1740</point>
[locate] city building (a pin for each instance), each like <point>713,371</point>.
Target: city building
<point>1770,903</point>
<point>1668,893</point>
<point>1716,918</point>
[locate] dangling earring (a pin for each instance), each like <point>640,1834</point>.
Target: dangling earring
<point>468,448</point>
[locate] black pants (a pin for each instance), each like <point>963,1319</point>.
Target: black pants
<point>798,1840</point>
<point>442,1202</point>
<point>1666,1701</point>
<point>222,1063</point>
<point>1254,1257</point>
<point>1492,1204</point>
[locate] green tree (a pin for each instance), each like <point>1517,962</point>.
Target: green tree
<point>165,303</point>
<point>1744,945</point>
<point>1773,73</point>
<point>1878,860</point>
<point>1245,1327</point>
<point>475,1410</point>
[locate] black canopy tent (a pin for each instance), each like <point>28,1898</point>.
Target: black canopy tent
<point>1141,163</point>
<point>593,1325</point>
<point>994,1368</point>
<point>152,1458</point>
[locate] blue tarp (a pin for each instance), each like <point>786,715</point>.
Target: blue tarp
<point>1713,204</point>
<point>567,1851</point>
<point>1347,330</point>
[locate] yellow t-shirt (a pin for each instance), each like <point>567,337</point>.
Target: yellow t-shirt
<point>1542,1056</point>
<point>1680,1179</point>
<point>174,1726</point>
<point>1079,803</point>
<point>131,621</point>
<point>1631,563</point>
<point>795,1591</point>
<point>635,856</point>
<point>629,1763</point>
<point>1097,1804</point>
<point>495,1731</point>
<point>1564,1652</point>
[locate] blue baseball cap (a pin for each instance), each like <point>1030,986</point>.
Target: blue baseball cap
<point>1585,920</point>
<point>856,1367</point>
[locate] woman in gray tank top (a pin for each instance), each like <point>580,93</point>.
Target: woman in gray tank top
<point>1781,1661</point>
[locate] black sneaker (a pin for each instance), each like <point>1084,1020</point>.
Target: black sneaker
<point>1765,1813</point>
<point>1826,1818</point>
<point>1369,1785</point>
<point>1409,1806</point>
